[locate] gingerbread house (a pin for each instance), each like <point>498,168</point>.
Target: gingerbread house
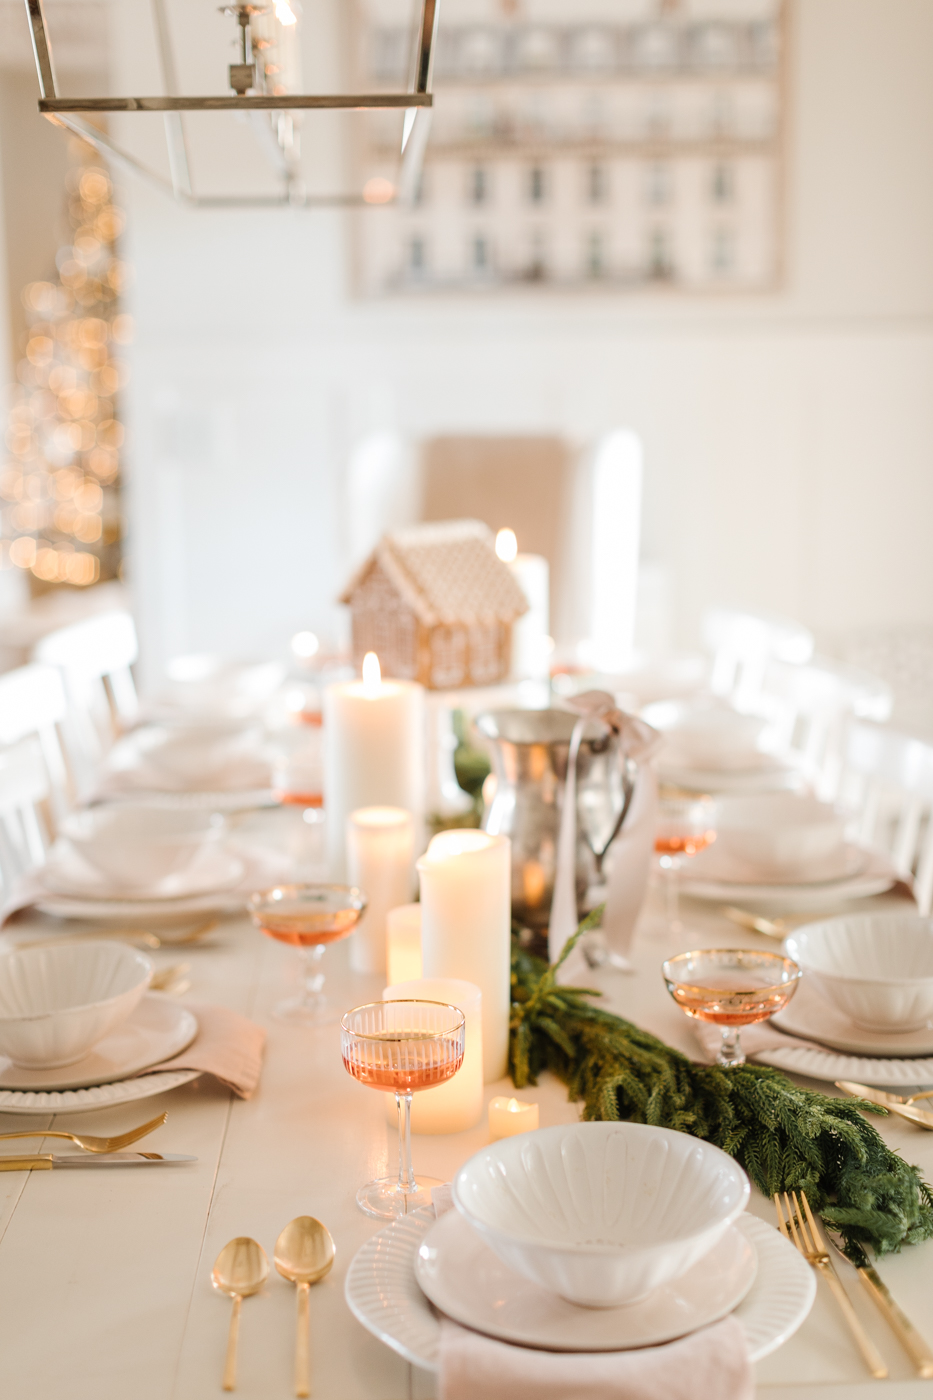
<point>436,605</point>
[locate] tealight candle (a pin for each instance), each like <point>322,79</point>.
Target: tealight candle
<point>373,753</point>
<point>380,860</point>
<point>403,943</point>
<point>458,1104</point>
<point>508,1117</point>
<point>466,922</point>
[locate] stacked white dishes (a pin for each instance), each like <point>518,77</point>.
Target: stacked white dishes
<point>710,747</point>
<point>79,1015</point>
<point>784,847</point>
<point>590,1237</point>
<point>135,859</point>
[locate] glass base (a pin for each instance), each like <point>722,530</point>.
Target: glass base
<point>307,1013</point>
<point>385,1201</point>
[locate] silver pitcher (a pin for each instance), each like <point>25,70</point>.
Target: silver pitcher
<point>529,750</point>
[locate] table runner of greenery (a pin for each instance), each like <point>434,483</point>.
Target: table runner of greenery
<point>786,1137</point>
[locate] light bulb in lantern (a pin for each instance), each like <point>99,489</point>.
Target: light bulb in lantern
<point>305,645</point>
<point>372,674</point>
<point>506,545</point>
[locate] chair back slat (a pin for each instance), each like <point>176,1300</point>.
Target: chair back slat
<point>896,813</point>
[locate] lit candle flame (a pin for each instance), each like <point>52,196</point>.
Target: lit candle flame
<point>513,1106</point>
<point>284,13</point>
<point>506,545</point>
<point>372,674</point>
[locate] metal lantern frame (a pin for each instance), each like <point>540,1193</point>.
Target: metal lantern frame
<point>72,113</point>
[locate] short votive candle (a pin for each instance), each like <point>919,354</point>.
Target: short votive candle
<point>403,943</point>
<point>509,1117</point>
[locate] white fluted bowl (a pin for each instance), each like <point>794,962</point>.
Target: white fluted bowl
<point>876,968</point>
<point>780,835</point>
<point>601,1213</point>
<point>57,1003</point>
<point>135,846</point>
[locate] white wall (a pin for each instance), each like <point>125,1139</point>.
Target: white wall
<point>788,439</point>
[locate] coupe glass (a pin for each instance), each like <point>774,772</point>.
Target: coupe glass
<point>308,917</point>
<point>686,826</point>
<point>732,988</point>
<point>403,1046</point>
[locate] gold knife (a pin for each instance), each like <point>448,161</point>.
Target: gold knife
<point>45,1161</point>
<point>900,1324</point>
<point>921,1116</point>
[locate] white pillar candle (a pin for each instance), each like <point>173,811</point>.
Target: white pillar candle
<point>509,1117</point>
<point>403,943</point>
<point>617,473</point>
<point>458,1104</point>
<point>380,862</point>
<point>373,753</point>
<point>531,655</point>
<point>466,913</point>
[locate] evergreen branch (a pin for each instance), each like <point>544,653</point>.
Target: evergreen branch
<point>786,1138</point>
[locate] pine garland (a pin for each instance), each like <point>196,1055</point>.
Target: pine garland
<point>786,1138</point>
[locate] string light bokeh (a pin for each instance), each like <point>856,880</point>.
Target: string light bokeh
<point>60,483</point>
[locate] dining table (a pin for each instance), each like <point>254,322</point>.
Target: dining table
<point>105,1276</point>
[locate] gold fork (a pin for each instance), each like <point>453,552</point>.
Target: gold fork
<point>171,980</point>
<point>805,1234</point>
<point>93,1144</point>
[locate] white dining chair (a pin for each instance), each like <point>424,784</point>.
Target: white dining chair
<point>95,658</point>
<point>742,644</point>
<point>33,706</point>
<point>887,783</point>
<point>25,796</point>
<point>809,708</point>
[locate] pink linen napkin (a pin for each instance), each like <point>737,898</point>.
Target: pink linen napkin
<point>227,1046</point>
<point>711,1364</point>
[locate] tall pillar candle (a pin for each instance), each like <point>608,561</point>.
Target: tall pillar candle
<point>466,916</point>
<point>380,862</point>
<point>531,656</point>
<point>457,1105</point>
<point>403,943</point>
<point>373,753</point>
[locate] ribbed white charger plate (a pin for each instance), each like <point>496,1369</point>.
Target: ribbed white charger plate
<point>143,1086</point>
<point>383,1294</point>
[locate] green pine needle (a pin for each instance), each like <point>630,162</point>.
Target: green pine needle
<point>786,1138</point>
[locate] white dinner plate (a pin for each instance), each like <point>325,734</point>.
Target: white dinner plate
<point>770,775</point>
<point>157,1030</point>
<point>833,1064</point>
<point>66,873</point>
<point>869,873</point>
<point>142,1086</point>
<point>811,1015</point>
<point>463,1278</point>
<point>382,1291</point>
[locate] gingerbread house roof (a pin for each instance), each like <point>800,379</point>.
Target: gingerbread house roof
<point>448,573</point>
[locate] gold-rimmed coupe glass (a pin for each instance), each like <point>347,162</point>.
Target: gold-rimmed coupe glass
<point>308,917</point>
<point>402,1046</point>
<point>731,988</point>
<point>686,825</point>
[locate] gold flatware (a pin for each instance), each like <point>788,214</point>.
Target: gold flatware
<point>892,1102</point>
<point>900,1324</point>
<point>171,980</point>
<point>240,1271</point>
<point>144,937</point>
<point>757,923</point>
<point>304,1253</point>
<point>45,1161</point>
<point>92,1144</point>
<point>805,1235</point>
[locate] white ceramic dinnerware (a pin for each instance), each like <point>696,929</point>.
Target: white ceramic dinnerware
<point>876,968</point>
<point>776,836</point>
<point>57,1002</point>
<point>197,752</point>
<point>707,735</point>
<point>382,1291</point>
<point>601,1213</point>
<point>466,1281</point>
<point>135,846</point>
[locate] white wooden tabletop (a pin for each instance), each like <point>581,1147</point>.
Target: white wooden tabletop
<point>105,1289</point>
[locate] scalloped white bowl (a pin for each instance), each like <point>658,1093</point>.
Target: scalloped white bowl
<point>601,1213</point>
<point>876,968</point>
<point>136,846</point>
<point>56,1003</point>
<point>780,834</point>
<point>198,750</point>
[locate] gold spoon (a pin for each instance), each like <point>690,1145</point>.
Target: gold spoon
<point>304,1253</point>
<point>240,1271</point>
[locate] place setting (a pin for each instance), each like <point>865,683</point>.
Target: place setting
<point>191,760</point>
<point>710,747</point>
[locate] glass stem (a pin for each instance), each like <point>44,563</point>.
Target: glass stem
<point>730,1052</point>
<point>311,970</point>
<point>672,892</point>
<point>406,1177</point>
